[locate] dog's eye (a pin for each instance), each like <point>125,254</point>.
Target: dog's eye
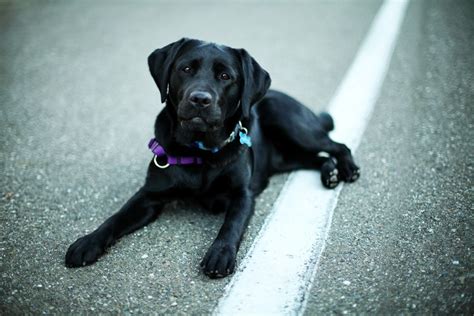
<point>224,76</point>
<point>187,69</point>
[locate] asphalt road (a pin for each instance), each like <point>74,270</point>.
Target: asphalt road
<point>77,107</point>
<point>402,238</point>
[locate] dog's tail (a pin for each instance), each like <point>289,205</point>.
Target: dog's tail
<point>326,121</point>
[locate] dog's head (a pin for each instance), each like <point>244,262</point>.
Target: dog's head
<point>207,87</point>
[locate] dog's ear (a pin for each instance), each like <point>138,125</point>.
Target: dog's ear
<point>256,82</point>
<point>160,63</point>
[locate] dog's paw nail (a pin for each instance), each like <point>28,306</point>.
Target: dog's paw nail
<point>333,178</point>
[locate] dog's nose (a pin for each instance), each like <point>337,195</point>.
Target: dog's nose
<point>200,99</point>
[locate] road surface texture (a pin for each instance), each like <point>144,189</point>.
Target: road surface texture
<point>406,247</point>
<point>77,106</point>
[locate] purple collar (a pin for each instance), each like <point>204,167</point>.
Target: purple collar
<point>159,151</point>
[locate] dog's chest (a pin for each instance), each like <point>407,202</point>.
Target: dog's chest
<point>202,181</point>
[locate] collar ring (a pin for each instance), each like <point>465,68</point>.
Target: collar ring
<point>158,165</point>
<point>243,129</point>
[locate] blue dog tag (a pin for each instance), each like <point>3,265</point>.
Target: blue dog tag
<point>245,139</point>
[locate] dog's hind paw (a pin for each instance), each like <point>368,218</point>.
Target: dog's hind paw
<point>355,175</point>
<point>329,174</point>
<point>348,170</point>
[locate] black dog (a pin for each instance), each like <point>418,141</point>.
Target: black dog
<point>220,137</point>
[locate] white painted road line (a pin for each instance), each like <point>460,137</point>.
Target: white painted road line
<point>278,270</point>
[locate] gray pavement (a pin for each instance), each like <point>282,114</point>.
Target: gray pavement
<point>77,107</point>
<point>77,110</point>
<point>402,238</point>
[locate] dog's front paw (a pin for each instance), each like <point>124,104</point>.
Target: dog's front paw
<point>219,260</point>
<point>84,251</point>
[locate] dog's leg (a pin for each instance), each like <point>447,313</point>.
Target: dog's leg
<point>301,145</point>
<point>219,260</point>
<point>140,210</point>
<point>300,135</point>
<point>301,152</point>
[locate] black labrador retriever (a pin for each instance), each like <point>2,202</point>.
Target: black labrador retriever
<point>220,137</point>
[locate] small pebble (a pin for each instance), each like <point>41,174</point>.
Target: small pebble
<point>144,256</point>
<point>346,282</point>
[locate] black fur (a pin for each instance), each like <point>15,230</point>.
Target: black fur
<point>208,89</point>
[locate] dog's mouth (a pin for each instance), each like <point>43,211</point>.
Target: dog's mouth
<point>197,124</point>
